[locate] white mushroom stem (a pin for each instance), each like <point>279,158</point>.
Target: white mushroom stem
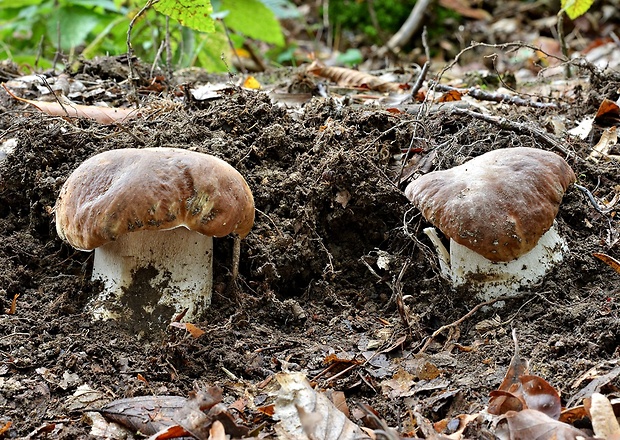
<point>488,279</point>
<point>154,274</point>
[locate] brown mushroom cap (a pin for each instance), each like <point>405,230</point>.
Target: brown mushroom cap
<point>498,204</point>
<point>128,190</point>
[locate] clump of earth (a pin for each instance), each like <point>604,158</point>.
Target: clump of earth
<point>334,249</point>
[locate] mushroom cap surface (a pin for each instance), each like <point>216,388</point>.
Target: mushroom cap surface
<point>498,204</point>
<point>120,191</point>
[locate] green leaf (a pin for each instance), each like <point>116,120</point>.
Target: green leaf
<point>253,19</point>
<point>284,9</point>
<point>210,49</point>
<point>194,14</point>
<point>74,22</point>
<point>576,8</point>
<point>18,3</point>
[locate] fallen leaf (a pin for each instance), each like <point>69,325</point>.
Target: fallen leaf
<point>502,399</point>
<point>192,329</point>
<point>612,262</point>
<point>13,308</point>
<point>604,420</point>
<point>533,425</point>
<point>354,78</point>
<point>103,115</point>
<point>608,139</point>
<point>539,395</point>
<point>450,96</point>
<point>608,113</point>
<point>251,83</point>
<point>147,414</point>
<point>462,7</point>
<point>306,414</point>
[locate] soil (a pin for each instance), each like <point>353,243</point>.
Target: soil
<point>335,249</point>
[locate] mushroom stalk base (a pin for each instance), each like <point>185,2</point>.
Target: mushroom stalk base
<point>487,279</point>
<point>151,276</point>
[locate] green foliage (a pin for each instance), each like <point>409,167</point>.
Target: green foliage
<point>350,58</point>
<point>355,15</point>
<point>194,14</point>
<point>30,29</point>
<point>576,8</point>
<point>253,19</point>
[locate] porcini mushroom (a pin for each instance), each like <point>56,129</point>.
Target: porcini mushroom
<point>150,215</point>
<point>498,211</point>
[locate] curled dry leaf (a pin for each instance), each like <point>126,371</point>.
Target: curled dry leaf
<point>611,261</point>
<point>604,420</point>
<point>103,115</point>
<point>147,414</point>
<point>539,395</point>
<point>192,329</point>
<point>503,399</point>
<point>306,414</point>
<point>345,77</point>
<point>534,425</point>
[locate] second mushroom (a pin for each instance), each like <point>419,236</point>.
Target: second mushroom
<point>150,215</point>
<point>498,211</point>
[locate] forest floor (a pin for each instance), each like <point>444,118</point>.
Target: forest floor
<point>335,249</point>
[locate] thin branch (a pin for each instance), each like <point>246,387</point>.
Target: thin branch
<point>461,320</point>
<point>483,95</point>
<point>131,76</point>
<point>518,127</point>
<point>425,68</point>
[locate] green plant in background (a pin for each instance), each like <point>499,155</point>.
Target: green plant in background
<point>370,18</point>
<point>576,8</point>
<point>31,31</point>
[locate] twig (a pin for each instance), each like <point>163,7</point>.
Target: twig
<point>232,48</point>
<point>461,320</point>
<point>49,88</point>
<point>406,31</point>
<point>511,45</point>
<point>562,39</point>
<point>495,97</point>
<point>169,71</point>
<point>518,127</point>
<point>593,201</point>
<point>425,68</point>
<point>397,290</point>
<point>131,77</point>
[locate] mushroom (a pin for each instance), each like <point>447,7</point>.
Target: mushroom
<point>150,215</point>
<point>498,211</point>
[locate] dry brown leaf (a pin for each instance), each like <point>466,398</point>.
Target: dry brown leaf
<point>174,431</point>
<point>13,309</point>
<point>103,115</point>
<point>534,425</point>
<point>502,399</point>
<point>538,394</point>
<point>306,414</point>
<point>608,113</point>
<point>354,78</point>
<point>450,96</point>
<point>462,7</point>
<point>615,264</point>
<point>147,414</point>
<point>192,329</point>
